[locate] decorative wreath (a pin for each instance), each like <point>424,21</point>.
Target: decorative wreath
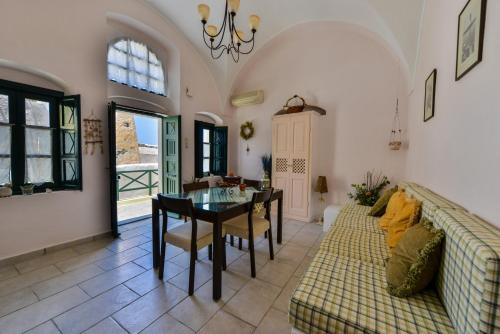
<point>246,130</point>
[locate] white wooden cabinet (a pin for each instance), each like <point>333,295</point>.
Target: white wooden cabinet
<point>293,151</point>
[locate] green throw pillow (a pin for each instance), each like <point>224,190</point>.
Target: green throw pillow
<point>378,209</point>
<point>415,260</point>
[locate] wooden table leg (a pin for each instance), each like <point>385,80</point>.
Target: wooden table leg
<point>217,261</point>
<point>280,220</point>
<point>156,233</point>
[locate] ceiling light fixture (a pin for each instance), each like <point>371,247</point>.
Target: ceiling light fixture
<point>214,37</point>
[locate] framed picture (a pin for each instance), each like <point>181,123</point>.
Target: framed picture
<point>470,37</point>
<point>430,96</point>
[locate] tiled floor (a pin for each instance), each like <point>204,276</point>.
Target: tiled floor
<point>109,286</point>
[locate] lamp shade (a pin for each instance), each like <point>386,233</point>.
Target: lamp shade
<point>254,22</point>
<point>234,5</point>
<point>238,35</point>
<point>204,11</point>
<point>321,185</point>
<point>212,30</point>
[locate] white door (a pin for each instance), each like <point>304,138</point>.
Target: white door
<point>281,156</point>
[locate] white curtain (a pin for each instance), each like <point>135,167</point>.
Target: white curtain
<point>4,151</point>
<point>38,143</point>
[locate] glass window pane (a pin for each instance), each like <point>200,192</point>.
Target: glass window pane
<point>5,140</point>
<point>156,72</point>
<point>117,57</point>
<point>138,65</point>
<point>39,170</point>
<point>138,50</point>
<point>206,150</point>
<point>153,59</point>
<point>117,74</point>
<point>4,109</point>
<point>4,170</point>
<point>138,80</point>
<point>38,142</point>
<point>206,165</point>
<point>121,45</point>
<point>37,113</point>
<point>206,136</point>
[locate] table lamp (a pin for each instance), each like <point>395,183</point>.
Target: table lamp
<point>321,188</point>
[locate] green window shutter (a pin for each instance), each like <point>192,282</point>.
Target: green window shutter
<point>70,148</point>
<point>171,153</point>
<point>219,162</point>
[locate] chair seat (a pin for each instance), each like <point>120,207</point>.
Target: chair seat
<point>239,226</point>
<point>180,236</point>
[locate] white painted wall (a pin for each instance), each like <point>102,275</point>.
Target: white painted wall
<point>344,69</point>
<point>457,152</point>
<point>68,40</point>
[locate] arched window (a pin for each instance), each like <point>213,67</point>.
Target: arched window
<point>133,64</point>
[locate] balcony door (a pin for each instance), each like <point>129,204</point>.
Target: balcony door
<point>145,160</point>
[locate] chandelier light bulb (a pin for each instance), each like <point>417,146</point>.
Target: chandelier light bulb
<point>234,5</point>
<point>238,36</point>
<point>254,22</point>
<point>204,11</point>
<point>212,30</point>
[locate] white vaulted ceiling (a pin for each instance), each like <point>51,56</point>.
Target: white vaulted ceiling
<point>397,22</point>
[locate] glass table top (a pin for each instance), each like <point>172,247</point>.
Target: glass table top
<point>217,199</point>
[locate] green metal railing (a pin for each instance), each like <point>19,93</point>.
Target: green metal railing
<point>135,181</point>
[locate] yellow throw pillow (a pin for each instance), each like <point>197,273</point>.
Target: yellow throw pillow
<point>396,203</point>
<point>408,216</point>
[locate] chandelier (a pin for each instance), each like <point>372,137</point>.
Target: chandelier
<point>214,38</point>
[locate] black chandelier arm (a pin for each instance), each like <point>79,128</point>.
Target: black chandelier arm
<point>251,48</point>
<point>237,57</point>
<point>245,41</point>
<point>224,50</point>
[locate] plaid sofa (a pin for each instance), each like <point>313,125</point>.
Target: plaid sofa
<point>344,289</point>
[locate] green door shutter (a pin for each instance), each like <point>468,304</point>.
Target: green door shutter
<point>70,136</point>
<point>219,162</point>
<point>171,153</point>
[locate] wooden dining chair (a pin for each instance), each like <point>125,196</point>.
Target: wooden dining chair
<point>191,236</point>
<point>252,183</point>
<point>187,187</point>
<point>255,223</point>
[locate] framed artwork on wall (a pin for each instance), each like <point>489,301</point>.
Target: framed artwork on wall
<point>430,95</point>
<point>471,23</point>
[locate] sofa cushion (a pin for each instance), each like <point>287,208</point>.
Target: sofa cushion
<point>378,209</point>
<point>341,295</point>
<point>468,280</point>
<point>415,260</point>
<point>408,216</point>
<point>396,204</point>
<point>358,222</point>
<point>356,244</point>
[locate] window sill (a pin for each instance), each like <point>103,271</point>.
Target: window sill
<point>40,193</point>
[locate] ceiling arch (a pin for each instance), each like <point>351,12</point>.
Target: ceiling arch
<point>395,21</point>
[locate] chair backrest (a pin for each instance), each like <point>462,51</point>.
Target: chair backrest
<point>182,206</point>
<point>195,186</point>
<point>232,179</point>
<point>252,183</point>
<point>261,197</point>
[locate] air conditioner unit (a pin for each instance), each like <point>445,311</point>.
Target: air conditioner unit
<point>248,99</point>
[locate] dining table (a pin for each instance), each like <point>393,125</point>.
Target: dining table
<point>215,205</point>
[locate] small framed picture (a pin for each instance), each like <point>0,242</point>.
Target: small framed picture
<point>430,96</point>
<point>471,24</point>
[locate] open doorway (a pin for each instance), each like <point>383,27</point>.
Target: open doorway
<point>144,161</point>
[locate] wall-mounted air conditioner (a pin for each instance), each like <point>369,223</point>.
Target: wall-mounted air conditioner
<point>248,99</point>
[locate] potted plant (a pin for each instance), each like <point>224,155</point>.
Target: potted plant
<point>267,166</point>
<point>368,192</point>
<point>27,189</point>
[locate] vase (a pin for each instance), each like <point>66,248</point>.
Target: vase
<point>265,181</point>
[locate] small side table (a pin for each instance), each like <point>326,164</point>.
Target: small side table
<point>330,214</point>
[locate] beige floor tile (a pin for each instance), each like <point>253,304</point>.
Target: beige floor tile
<point>65,281</point>
<point>93,245</point>
<point>95,310</point>
<point>16,301</point>
<point>38,313</point>
<point>119,245</point>
<point>167,324</point>
<point>145,261</point>
<point>45,260</point>
<point>45,328</point>
<point>283,300</point>
<point>184,258</point>
<point>234,280</point>
<point>84,259</point>
<point>307,239</point>
<point>276,273</point>
<point>243,267</point>
<point>110,279</point>
<point>252,301</point>
<point>149,280</point>
<point>274,322</point>
<point>203,273</point>
<point>107,326</point>
<point>292,254</point>
<point>303,266</point>
<point>134,232</point>
<point>142,312</point>
<point>25,280</point>
<point>225,323</point>
<point>8,272</point>
<point>119,259</point>
<point>196,310</point>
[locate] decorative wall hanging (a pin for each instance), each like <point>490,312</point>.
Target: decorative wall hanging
<point>430,96</point>
<point>471,23</point>
<point>214,37</point>
<point>92,134</point>
<point>246,132</point>
<point>297,104</point>
<point>395,141</point>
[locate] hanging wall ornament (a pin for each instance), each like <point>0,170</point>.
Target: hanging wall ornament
<point>395,141</point>
<point>246,132</point>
